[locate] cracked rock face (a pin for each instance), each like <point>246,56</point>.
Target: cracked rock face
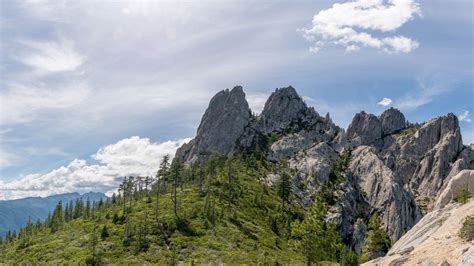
<point>425,157</point>
<point>394,204</point>
<point>283,109</point>
<point>365,129</point>
<point>392,121</point>
<point>221,125</point>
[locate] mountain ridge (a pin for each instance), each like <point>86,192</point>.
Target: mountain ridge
<point>416,161</point>
<point>285,186</point>
<point>17,212</point>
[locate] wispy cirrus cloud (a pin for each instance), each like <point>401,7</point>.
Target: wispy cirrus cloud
<point>353,25</point>
<point>47,57</point>
<point>133,156</point>
<point>23,103</point>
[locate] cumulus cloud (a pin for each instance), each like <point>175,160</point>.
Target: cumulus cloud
<point>464,116</point>
<point>128,157</point>
<point>385,102</point>
<point>51,56</point>
<point>353,24</point>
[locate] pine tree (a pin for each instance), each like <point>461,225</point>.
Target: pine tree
<point>95,257</point>
<point>57,218</point>
<point>87,211</point>
<point>284,188</point>
<point>161,177</point>
<point>123,189</point>
<point>130,189</point>
<point>78,208</point>
<point>317,239</point>
<point>105,233</point>
<point>377,242</point>
<point>176,168</point>
<point>230,187</point>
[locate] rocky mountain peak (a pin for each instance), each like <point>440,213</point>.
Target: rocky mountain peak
<point>221,125</point>
<point>392,121</point>
<point>283,107</point>
<point>365,129</point>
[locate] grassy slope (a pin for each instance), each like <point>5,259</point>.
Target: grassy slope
<point>242,233</point>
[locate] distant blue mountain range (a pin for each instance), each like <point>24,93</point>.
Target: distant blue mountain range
<point>14,214</point>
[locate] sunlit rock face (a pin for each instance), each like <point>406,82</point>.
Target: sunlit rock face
<point>395,169</point>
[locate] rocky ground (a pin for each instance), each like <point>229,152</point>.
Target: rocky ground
<point>434,240</point>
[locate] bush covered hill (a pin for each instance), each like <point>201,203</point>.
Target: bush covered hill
<point>214,212</point>
<point>16,213</point>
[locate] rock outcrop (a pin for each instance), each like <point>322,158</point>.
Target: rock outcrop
<point>285,110</point>
<point>222,124</point>
<point>464,180</point>
<point>394,204</point>
<point>392,121</point>
<point>435,240</point>
<point>395,169</point>
<point>365,129</point>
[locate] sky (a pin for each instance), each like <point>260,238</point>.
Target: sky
<point>91,91</point>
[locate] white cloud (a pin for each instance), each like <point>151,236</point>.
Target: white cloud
<point>257,101</point>
<point>132,156</point>
<point>464,116</point>
<point>385,102</point>
<point>351,24</point>
<point>51,56</point>
<point>23,103</point>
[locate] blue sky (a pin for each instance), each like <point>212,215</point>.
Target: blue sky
<point>93,90</point>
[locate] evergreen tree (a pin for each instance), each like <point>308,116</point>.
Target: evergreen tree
<point>123,189</point>
<point>114,198</point>
<point>130,187</point>
<point>284,188</point>
<point>78,208</point>
<point>38,224</point>
<point>57,218</point>
<point>161,177</point>
<point>95,257</point>
<point>105,233</point>
<point>176,168</point>
<point>317,239</point>
<point>230,185</point>
<point>377,242</point>
<point>87,211</point>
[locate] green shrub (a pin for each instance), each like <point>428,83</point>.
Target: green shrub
<point>467,230</point>
<point>463,196</point>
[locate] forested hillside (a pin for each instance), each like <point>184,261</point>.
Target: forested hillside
<point>215,212</point>
<point>16,213</point>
